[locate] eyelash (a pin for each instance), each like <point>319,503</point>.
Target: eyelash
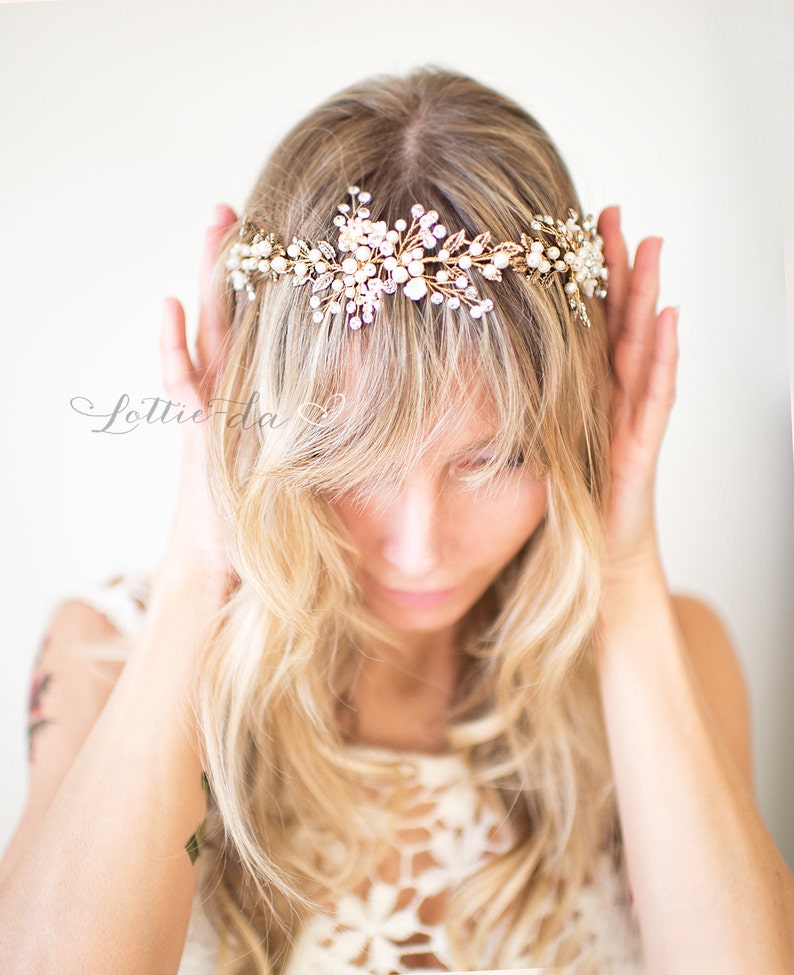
<point>517,460</point>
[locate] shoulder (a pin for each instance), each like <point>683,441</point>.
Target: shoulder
<point>68,689</point>
<point>79,635</point>
<point>76,619</point>
<point>720,675</point>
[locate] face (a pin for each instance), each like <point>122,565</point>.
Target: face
<point>431,546</point>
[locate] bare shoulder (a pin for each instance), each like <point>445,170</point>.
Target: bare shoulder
<point>68,689</point>
<point>720,675</point>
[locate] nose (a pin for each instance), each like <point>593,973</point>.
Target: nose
<point>412,529</point>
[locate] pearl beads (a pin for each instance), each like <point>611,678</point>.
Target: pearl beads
<point>371,260</point>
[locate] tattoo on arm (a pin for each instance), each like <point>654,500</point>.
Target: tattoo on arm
<point>40,681</point>
<point>193,845</point>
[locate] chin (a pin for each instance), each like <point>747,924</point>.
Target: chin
<point>419,618</point>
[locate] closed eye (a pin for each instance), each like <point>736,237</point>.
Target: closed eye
<point>517,460</point>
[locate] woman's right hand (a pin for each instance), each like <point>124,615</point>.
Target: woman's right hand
<point>196,543</point>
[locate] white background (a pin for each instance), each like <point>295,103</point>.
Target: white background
<point>122,127</point>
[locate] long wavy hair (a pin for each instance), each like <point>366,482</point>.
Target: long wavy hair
<point>285,785</point>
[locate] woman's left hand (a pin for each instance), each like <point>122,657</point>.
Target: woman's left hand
<point>643,355</point>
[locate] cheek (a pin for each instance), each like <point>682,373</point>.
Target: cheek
<point>355,518</point>
<point>532,503</point>
<point>512,518</point>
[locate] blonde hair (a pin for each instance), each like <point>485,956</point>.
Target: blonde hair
<point>526,715</point>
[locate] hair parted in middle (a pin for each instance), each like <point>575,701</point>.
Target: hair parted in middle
<point>353,409</point>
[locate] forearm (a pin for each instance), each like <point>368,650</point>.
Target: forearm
<point>106,882</point>
<point>712,892</point>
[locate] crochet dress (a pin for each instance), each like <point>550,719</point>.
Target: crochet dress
<point>448,830</point>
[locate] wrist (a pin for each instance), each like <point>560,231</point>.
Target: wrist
<point>630,589</point>
<point>625,562</point>
<point>179,568</point>
<point>182,614</point>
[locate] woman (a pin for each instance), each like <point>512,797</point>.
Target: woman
<point>410,688</point>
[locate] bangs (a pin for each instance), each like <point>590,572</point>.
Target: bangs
<point>365,405</point>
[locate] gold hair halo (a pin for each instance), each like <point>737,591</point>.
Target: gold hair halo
<point>372,260</point>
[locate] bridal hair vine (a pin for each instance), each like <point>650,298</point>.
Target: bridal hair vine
<point>371,260</point>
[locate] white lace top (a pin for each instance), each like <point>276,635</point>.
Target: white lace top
<point>394,922</point>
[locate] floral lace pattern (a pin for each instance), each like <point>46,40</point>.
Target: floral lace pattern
<point>394,921</point>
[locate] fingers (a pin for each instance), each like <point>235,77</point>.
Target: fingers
<point>212,326</point>
<point>635,344</point>
<point>617,260</point>
<point>660,393</point>
<point>177,368</point>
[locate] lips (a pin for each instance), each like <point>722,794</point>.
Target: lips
<point>421,599</point>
